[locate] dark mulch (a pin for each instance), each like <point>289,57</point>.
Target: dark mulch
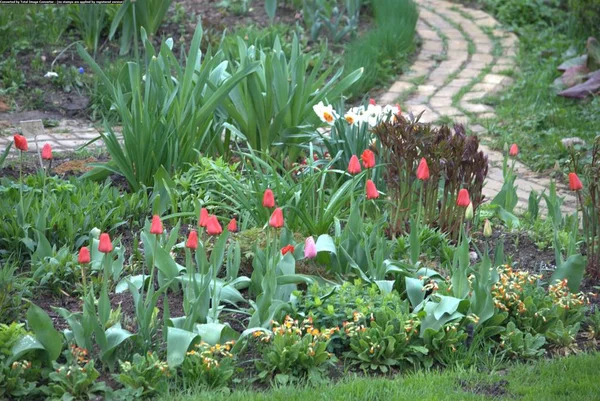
<point>519,248</point>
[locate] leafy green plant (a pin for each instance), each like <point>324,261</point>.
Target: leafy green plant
<point>331,306</point>
<point>516,343</point>
<point>65,215</point>
<point>20,379</point>
<point>77,378</point>
<point>294,351</point>
<point>207,366</point>
<point>12,287</point>
<point>145,376</point>
<point>384,340</point>
<point>58,272</point>
<point>168,109</point>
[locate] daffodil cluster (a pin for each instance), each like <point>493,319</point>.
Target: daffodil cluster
<point>372,114</point>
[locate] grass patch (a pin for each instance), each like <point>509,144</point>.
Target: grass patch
<point>384,51</point>
<point>574,377</point>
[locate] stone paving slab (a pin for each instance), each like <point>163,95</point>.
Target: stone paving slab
<point>442,93</point>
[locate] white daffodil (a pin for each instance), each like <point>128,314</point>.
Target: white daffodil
<point>325,113</point>
<point>373,114</point>
<point>390,111</point>
<point>51,74</point>
<point>352,118</point>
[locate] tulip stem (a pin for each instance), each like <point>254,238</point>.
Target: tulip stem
<point>151,284</point>
<point>21,189</point>
<point>83,280</point>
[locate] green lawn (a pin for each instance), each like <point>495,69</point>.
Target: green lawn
<point>572,378</point>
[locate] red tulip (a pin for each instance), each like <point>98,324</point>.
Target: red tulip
<point>514,150</point>
<point>213,227</point>
<point>268,199</point>
<point>105,245</point>
<point>372,102</point>
<point>84,255</point>
<point>463,199</point>
<point>232,226</point>
<point>399,108</point>
<point>372,192</point>
<point>354,165</point>
<point>574,182</point>
<point>287,248</point>
<point>21,142</point>
<point>203,217</point>
<point>192,241</point>
<point>368,158</point>
<point>423,170</point>
<point>276,220</point>
<point>156,227</point>
<point>47,152</point>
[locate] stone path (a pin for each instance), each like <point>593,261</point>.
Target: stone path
<point>464,57</point>
<point>68,135</point>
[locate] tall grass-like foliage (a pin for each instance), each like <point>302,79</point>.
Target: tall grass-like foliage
<point>133,15</point>
<point>90,20</point>
<point>391,40</point>
<point>166,110</point>
<point>273,105</point>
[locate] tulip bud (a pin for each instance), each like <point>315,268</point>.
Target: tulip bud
<point>310,248</point>
<point>213,227</point>
<point>84,255</point>
<point>192,241</point>
<point>268,199</point>
<point>156,227</point>
<point>469,211</point>
<point>105,245</point>
<point>276,220</point>
<point>95,232</point>
<point>203,221</point>
<point>354,165</point>
<point>47,152</point>
<point>487,229</point>
<point>232,226</point>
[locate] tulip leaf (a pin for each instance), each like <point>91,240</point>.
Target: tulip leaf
<point>414,291</point>
<point>572,269</point>
<point>216,333</point>
<point>43,328</point>
<point>325,244</point>
<point>178,343</point>
<point>24,345</point>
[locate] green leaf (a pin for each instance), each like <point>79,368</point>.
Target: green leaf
<point>41,325</point>
<point>414,291</point>
<point>271,8</point>
<point>178,343</point>
<point>115,336</point>
<point>572,269</point>
<point>325,243</point>
<point>216,333</point>
<point>24,345</point>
